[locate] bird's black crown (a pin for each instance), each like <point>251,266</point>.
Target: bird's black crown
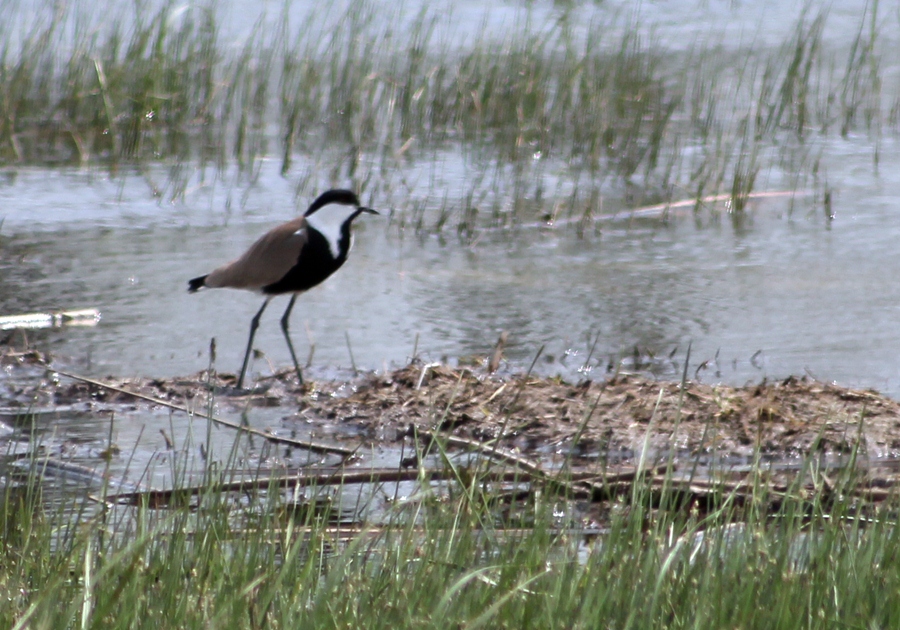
<point>338,196</point>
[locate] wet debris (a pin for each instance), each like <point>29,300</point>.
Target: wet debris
<point>626,415</point>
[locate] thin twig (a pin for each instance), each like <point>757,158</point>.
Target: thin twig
<point>341,477</point>
<point>318,447</point>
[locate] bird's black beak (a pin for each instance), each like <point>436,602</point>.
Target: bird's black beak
<point>369,210</point>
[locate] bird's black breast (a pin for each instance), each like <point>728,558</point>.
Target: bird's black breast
<point>316,263</point>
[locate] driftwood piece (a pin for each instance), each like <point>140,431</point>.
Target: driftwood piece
<point>318,447</point>
<point>54,319</point>
<point>340,477</point>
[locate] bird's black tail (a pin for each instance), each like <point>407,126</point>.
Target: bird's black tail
<point>196,283</point>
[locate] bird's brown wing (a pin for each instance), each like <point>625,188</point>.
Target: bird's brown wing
<point>266,262</point>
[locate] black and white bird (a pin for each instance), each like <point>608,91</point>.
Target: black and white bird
<point>291,258</point>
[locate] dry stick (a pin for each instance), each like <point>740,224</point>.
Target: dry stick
<point>312,446</point>
<point>658,210</point>
<point>594,485</point>
<point>339,477</point>
<point>508,405</point>
<point>491,451</point>
<point>335,477</point>
<point>581,485</point>
<point>744,489</point>
<point>699,489</point>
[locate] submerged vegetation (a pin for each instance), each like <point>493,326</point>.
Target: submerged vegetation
<point>547,116</point>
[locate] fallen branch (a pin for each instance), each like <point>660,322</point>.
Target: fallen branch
<point>577,486</point>
<point>490,451</point>
<point>339,477</point>
<point>334,477</point>
<point>661,210</point>
<point>317,447</point>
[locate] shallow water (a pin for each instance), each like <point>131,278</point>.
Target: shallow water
<point>791,290</point>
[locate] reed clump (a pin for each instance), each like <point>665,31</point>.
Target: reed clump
<point>441,557</point>
<point>558,111</point>
<point>484,538</point>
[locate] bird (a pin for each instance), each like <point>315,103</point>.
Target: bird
<point>291,258</point>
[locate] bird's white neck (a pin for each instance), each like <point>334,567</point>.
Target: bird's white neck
<point>328,222</point>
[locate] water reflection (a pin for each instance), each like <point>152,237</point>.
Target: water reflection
<point>810,293</point>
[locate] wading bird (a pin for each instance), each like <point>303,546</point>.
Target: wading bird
<point>291,258</point>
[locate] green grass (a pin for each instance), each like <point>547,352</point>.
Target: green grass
<point>444,560</point>
<point>539,113</point>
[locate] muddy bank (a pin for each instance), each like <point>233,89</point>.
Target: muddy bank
<point>539,416</point>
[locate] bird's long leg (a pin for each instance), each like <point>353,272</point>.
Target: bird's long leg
<point>285,323</point>
<point>254,324</point>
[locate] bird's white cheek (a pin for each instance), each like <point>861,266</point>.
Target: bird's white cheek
<point>331,232</point>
